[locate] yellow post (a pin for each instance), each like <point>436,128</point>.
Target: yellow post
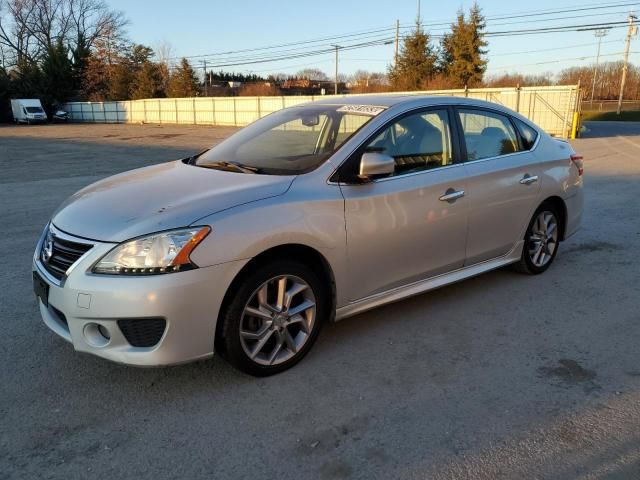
<point>575,126</point>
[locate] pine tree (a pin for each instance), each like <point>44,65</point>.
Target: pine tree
<point>28,81</point>
<point>183,82</point>
<point>416,62</point>
<point>121,81</point>
<point>140,54</point>
<point>147,82</point>
<point>57,69</point>
<point>5,92</point>
<point>80,55</point>
<point>462,51</point>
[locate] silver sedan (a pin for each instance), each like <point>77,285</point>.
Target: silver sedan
<point>311,214</point>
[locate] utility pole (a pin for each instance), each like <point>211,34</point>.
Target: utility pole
<point>336,81</point>
<point>631,32</point>
<point>599,34</point>
<point>395,55</point>
<point>418,19</point>
<point>206,78</point>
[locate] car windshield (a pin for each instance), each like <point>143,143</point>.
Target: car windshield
<point>34,109</point>
<point>290,141</point>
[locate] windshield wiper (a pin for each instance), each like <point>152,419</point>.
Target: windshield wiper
<point>232,166</point>
<point>192,160</point>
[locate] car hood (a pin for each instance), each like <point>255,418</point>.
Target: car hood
<point>160,197</point>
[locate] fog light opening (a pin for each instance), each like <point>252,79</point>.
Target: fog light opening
<point>97,335</point>
<point>104,332</point>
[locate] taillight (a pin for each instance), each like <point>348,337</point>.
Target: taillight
<point>577,161</point>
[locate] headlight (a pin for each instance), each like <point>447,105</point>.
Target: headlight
<point>163,252</point>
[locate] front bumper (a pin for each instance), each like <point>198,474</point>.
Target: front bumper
<point>188,301</point>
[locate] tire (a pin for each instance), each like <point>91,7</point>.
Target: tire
<point>263,336</point>
<point>541,241</point>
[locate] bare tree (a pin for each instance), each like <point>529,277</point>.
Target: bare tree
<point>28,28</point>
<point>93,20</point>
<point>312,74</point>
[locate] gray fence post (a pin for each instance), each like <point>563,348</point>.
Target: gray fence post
<point>160,111</point>
<point>144,109</point>
<point>518,98</point>
<point>175,102</point>
<point>235,112</point>
<point>193,106</point>
<point>213,110</point>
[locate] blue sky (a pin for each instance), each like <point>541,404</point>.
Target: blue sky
<point>199,27</point>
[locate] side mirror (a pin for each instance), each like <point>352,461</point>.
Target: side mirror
<point>311,120</point>
<point>373,165</point>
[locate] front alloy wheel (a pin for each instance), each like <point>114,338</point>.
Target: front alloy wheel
<point>277,320</point>
<point>274,317</point>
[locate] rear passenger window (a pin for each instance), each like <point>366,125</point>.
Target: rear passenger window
<point>528,134</point>
<point>487,134</point>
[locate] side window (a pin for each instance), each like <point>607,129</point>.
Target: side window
<point>487,134</point>
<point>420,141</point>
<point>528,134</point>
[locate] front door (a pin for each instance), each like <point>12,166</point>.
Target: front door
<point>412,224</point>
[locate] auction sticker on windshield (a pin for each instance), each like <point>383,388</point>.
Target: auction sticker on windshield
<point>364,109</point>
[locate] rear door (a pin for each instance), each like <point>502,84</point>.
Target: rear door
<point>502,184</point>
<point>402,228</point>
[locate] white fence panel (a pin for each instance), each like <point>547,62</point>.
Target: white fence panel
<point>553,108</point>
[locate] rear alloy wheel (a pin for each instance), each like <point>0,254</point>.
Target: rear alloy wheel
<point>274,319</point>
<point>541,241</point>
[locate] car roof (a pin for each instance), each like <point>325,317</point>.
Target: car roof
<point>400,99</point>
<point>408,101</point>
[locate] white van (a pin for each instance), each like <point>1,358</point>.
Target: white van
<point>28,111</point>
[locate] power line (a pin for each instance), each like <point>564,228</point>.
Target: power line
<point>585,57</point>
<point>382,36</point>
<point>489,19</point>
<point>297,53</point>
<point>564,47</point>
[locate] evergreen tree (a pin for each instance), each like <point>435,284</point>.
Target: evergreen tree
<point>416,62</point>
<point>80,55</point>
<point>462,51</point>
<point>121,81</point>
<point>28,81</point>
<point>5,92</point>
<point>140,54</point>
<point>57,70</point>
<point>183,82</point>
<point>148,82</point>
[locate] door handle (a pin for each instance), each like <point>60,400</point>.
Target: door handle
<point>451,195</point>
<point>529,179</point>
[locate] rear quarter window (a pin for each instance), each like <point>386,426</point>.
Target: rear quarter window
<point>529,135</point>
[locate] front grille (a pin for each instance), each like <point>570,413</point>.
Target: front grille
<point>58,255</point>
<point>142,332</point>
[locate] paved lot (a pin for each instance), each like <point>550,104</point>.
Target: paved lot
<point>501,376</point>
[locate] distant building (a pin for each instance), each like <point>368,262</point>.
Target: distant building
<point>305,86</point>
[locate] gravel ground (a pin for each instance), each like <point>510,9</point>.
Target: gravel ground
<point>500,376</point>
